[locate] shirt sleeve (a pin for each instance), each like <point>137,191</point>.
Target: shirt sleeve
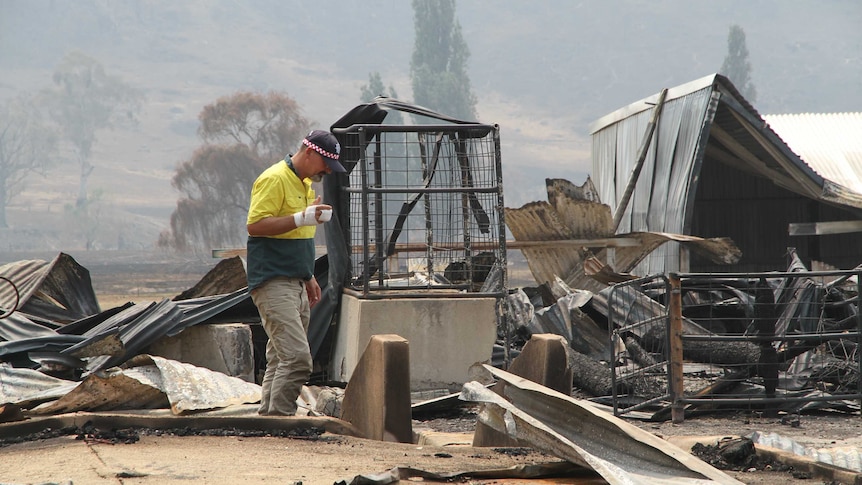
<point>267,199</point>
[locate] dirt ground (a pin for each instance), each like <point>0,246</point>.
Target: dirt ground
<point>174,456</point>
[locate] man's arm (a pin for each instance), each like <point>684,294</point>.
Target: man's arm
<point>274,225</point>
<point>313,290</point>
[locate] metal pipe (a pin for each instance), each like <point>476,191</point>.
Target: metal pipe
<point>633,178</point>
<point>675,353</point>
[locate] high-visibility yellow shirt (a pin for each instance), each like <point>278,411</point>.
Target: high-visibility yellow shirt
<point>279,191</point>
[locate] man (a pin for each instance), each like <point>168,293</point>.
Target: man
<point>282,220</point>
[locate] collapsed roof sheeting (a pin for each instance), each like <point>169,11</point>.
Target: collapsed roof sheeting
<point>144,382</point>
<point>112,337</point>
<point>59,290</point>
<point>565,218</point>
<point>99,342</point>
<point>143,327</point>
<point>18,326</point>
<point>221,308</point>
<point>27,387</point>
<point>228,276</point>
<point>558,424</point>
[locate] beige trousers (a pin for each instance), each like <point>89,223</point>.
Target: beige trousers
<point>284,312</point>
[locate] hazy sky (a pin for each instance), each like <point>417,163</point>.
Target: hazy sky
<point>541,69</point>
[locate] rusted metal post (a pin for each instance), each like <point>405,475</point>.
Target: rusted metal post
<point>636,171</point>
<point>674,336</point>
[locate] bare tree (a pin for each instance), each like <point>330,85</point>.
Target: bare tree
<point>84,100</point>
<point>243,134</point>
<point>26,146</point>
<point>86,221</point>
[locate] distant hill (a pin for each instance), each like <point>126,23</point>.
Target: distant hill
<point>542,70</point>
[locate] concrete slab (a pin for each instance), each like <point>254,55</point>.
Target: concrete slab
<point>447,336</point>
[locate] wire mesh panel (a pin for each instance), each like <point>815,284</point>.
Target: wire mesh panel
<point>426,210</point>
<point>639,329</point>
<point>772,342</point>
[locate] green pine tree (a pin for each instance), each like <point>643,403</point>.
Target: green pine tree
<point>736,66</point>
<point>438,68</point>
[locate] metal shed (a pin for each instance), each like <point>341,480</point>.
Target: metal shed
<point>715,168</point>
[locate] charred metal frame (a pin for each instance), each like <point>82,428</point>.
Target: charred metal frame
<point>773,338</point>
<point>789,315</point>
<point>469,154</point>
<point>625,317</point>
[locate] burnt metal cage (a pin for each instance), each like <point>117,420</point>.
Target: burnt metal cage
<point>425,210</point>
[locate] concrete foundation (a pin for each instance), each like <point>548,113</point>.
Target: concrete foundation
<point>446,336</point>
<point>225,348</point>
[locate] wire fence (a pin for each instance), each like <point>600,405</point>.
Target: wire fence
<point>755,342</point>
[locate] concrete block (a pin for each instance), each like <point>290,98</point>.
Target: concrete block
<point>447,336</point>
<point>225,348</point>
<point>544,360</point>
<point>377,398</point>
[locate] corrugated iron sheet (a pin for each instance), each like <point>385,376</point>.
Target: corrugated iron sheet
<point>570,218</point>
<point>228,276</point>
<point>830,143</point>
<point>664,186</point>
<point>60,290</point>
<point>28,387</point>
<point>149,382</point>
<point>538,221</point>
<point>560,425</point>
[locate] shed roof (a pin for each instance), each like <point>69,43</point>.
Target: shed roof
<point>830,143</point>
<point>787,149</point>
<point>701,124</point>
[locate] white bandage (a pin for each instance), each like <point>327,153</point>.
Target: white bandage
<point>325,215</point>
<point>306,217</point>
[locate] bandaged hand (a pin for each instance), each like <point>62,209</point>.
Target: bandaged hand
<point>309,216</point>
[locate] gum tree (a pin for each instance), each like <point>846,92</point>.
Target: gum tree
<point>243,134</point>
<point>27,145</point>
<point>84,100</point>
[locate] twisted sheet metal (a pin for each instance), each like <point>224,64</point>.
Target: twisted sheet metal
<point>558,424</point>
<point>59,290</point>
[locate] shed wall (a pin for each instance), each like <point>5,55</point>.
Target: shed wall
<point>755,213</point>
<point>663,191</point>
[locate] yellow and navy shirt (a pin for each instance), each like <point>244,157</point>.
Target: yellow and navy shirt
<point>279,191</point>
